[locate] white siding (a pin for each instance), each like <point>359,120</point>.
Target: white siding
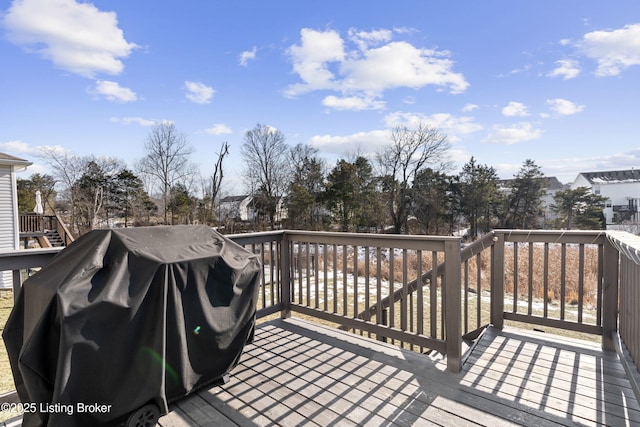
<point>7,210</point>
<point>7,219</point>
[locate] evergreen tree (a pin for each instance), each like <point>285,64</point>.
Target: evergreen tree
<point>305,192</point>
<point>27,188</point>
<point>579,208</point>
<point>351,195</point>
<point>525,201</point>
<point>434,201</point>
<point>478,193</point>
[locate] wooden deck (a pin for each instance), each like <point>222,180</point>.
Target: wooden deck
<point>298,373</point>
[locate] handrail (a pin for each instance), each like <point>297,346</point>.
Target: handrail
<point>298,264</point>
<point>63,231</point>
<point>627,249</point>
<point>467,253</point>
<point>16,261</point>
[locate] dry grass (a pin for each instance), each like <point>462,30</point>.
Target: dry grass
<point>6,377</point>
<point>573,277</point>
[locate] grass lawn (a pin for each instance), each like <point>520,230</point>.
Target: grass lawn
<point>6,377</point>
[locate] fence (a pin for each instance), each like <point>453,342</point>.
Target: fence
<point>427,292</point>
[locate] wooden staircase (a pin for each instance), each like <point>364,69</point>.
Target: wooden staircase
<point>54,238</point>
<point>49,230</point>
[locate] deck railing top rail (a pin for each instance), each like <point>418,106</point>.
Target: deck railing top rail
<point>626,243</point>
<point>383,284</point>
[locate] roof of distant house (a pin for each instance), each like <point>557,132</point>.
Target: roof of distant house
<point>612,177</point>
<point>7,159</point>
<point>232,199</point>
<point>551,183</point>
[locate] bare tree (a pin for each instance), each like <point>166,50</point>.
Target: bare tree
<point>66,169</point>
<point>84,182</point>
<point>167,159</point>
<point>410,150</point>
<point>267,163</point>
<point>218,173</point>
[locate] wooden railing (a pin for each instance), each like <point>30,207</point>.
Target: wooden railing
<point>627,248</point>
<point>428,292</point>
<point>337,276</point>
<point>33,225</point>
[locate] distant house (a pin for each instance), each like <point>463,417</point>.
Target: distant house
<point>241,208</point>
<point>238,208</point>
<point>622,190</point>
<point>9,225</point>
<point>551,186</point>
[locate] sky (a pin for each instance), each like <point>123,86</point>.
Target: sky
<point>557,82</point>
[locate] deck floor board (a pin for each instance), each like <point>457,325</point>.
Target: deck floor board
<point>298,373</point>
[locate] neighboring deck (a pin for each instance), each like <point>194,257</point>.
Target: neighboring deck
<point>299,373</point>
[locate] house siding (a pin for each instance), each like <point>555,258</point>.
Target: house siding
<point>7,206</point>
<point>8,226</point>
<point>620,188</point>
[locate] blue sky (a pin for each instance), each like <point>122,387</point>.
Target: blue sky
<point>553,81</point>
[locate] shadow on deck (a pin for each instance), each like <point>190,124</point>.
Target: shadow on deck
<point>299,373</point>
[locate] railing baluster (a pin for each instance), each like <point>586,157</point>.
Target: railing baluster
<point>545,278</point>
<point>599,286</point>
<point>405,293</point>
<point>465,284</point>
<point>345,287</point>
<point>580,282</point>
<point>516,248</point>
<point>478,289</point>
<point>530,280</point>
<point>433,295</point>
<point>335,278</point>
<point>355,282</point>
<point>367,291</point>
<point>392,264</point>
<point>563,280</point>
<point>420,296</point>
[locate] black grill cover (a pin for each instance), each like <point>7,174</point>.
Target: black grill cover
<point>125,317</point>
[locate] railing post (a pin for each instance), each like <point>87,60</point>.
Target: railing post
<point>452,293</point>
<point>17,284</point>
<point>285,276</point>
<point>497,281</point>
<point>610,295</point>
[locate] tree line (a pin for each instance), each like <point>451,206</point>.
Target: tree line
<point>406,187</point>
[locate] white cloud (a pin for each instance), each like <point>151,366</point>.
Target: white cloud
<point>22,148</point>
<point>311,59</point>
<point>371,141</point>
<point>365,39</point>
<point>469,108</point>
<point>519,132</point>
<point>354,103</point>
<point>400,64</point>
<point>198,92</point>
<point>247,56</point>
<point>114,92</point>
<point>567,69</point>
<point>218,129</point>
<point>614,50</point>
<point>16,147</point>
<point>515,109</point>
<point>375,64</point>
<point>452,126</point>
<point>77,37</point>
<point>138,120</point>
<point>563,107</point>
